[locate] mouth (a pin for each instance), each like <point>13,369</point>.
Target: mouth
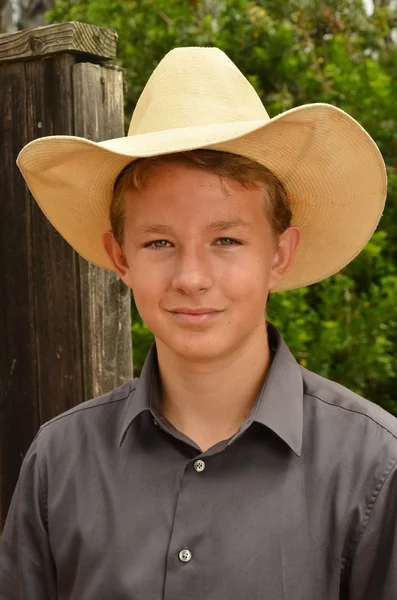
<point>199,316</point>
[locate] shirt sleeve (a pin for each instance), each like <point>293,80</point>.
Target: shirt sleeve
<point>374,564</point>
<point>27,568</point>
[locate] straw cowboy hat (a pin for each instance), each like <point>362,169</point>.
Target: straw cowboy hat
<point>332,170</point>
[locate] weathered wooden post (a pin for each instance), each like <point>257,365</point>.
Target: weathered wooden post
<point>65,332</point>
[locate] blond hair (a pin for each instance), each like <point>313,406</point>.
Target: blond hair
<point>231,166</point>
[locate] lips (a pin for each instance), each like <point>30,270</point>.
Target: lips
<point>195,311</point>
<point>195,316</point>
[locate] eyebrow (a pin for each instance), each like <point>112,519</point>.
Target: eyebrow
<point>212,226</point>
<point>156,228</point>
<point>223,225</point>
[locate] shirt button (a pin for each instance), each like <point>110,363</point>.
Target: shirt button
<point>199,465</point>
<point>185,555</point>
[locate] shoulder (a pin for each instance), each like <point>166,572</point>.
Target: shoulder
<point>350,446</point>
<point>340,403</point>
<point>347,435</point>
<point>99,418</point>
<point>110,401</point>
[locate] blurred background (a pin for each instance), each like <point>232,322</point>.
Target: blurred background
<point>293,52</point>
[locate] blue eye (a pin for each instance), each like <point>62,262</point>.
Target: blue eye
<point>226,241</point>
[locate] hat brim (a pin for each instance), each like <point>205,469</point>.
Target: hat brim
<point>333,172</point>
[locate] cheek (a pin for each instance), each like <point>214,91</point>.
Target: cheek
<point>147,284</point>
<point>249,277</point>
<point>147,298</point>
<point>252,290</point>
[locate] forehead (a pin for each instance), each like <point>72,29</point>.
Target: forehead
<point>177,190</point>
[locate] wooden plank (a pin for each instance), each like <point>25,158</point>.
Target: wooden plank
<point>98,101</point>
<point>106,320</point>
<point>106,314</point>
<point>72,37</point>
<point>55,264</point>
<point>19,410</point>
<point>64,324</point>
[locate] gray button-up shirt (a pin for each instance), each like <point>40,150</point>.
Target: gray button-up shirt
<point>113,503</point>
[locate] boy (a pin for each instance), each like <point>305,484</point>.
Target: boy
<point>226,471</point>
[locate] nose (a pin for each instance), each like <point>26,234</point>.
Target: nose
<point>192,271</point>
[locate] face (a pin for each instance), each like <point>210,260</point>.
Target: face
<point>201,258</point>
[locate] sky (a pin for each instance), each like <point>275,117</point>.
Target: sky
<point>368,6</point>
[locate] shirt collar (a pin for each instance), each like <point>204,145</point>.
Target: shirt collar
<point>279,405</point>
<point>280,402</point>
<point>146,395</point>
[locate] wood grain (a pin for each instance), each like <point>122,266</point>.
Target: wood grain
<point>55,264</point>
<point>106,314</point>
<point>19,405</point>
<point>72,37</point>
<point>65,325</point>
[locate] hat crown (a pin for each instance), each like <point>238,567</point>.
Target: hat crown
<point>192,87</point>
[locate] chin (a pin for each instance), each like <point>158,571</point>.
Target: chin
<point>199,347</point>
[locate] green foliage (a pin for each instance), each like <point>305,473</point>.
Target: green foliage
<point>142,339</point>
<point>345,333</point>
<point>294,52</point>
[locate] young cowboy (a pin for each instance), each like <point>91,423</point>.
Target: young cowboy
<point>227,471</point>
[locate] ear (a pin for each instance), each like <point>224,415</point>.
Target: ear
<point>117,257</point>
<point>284,256</point>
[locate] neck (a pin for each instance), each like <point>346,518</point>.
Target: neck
<point>208,401</point>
